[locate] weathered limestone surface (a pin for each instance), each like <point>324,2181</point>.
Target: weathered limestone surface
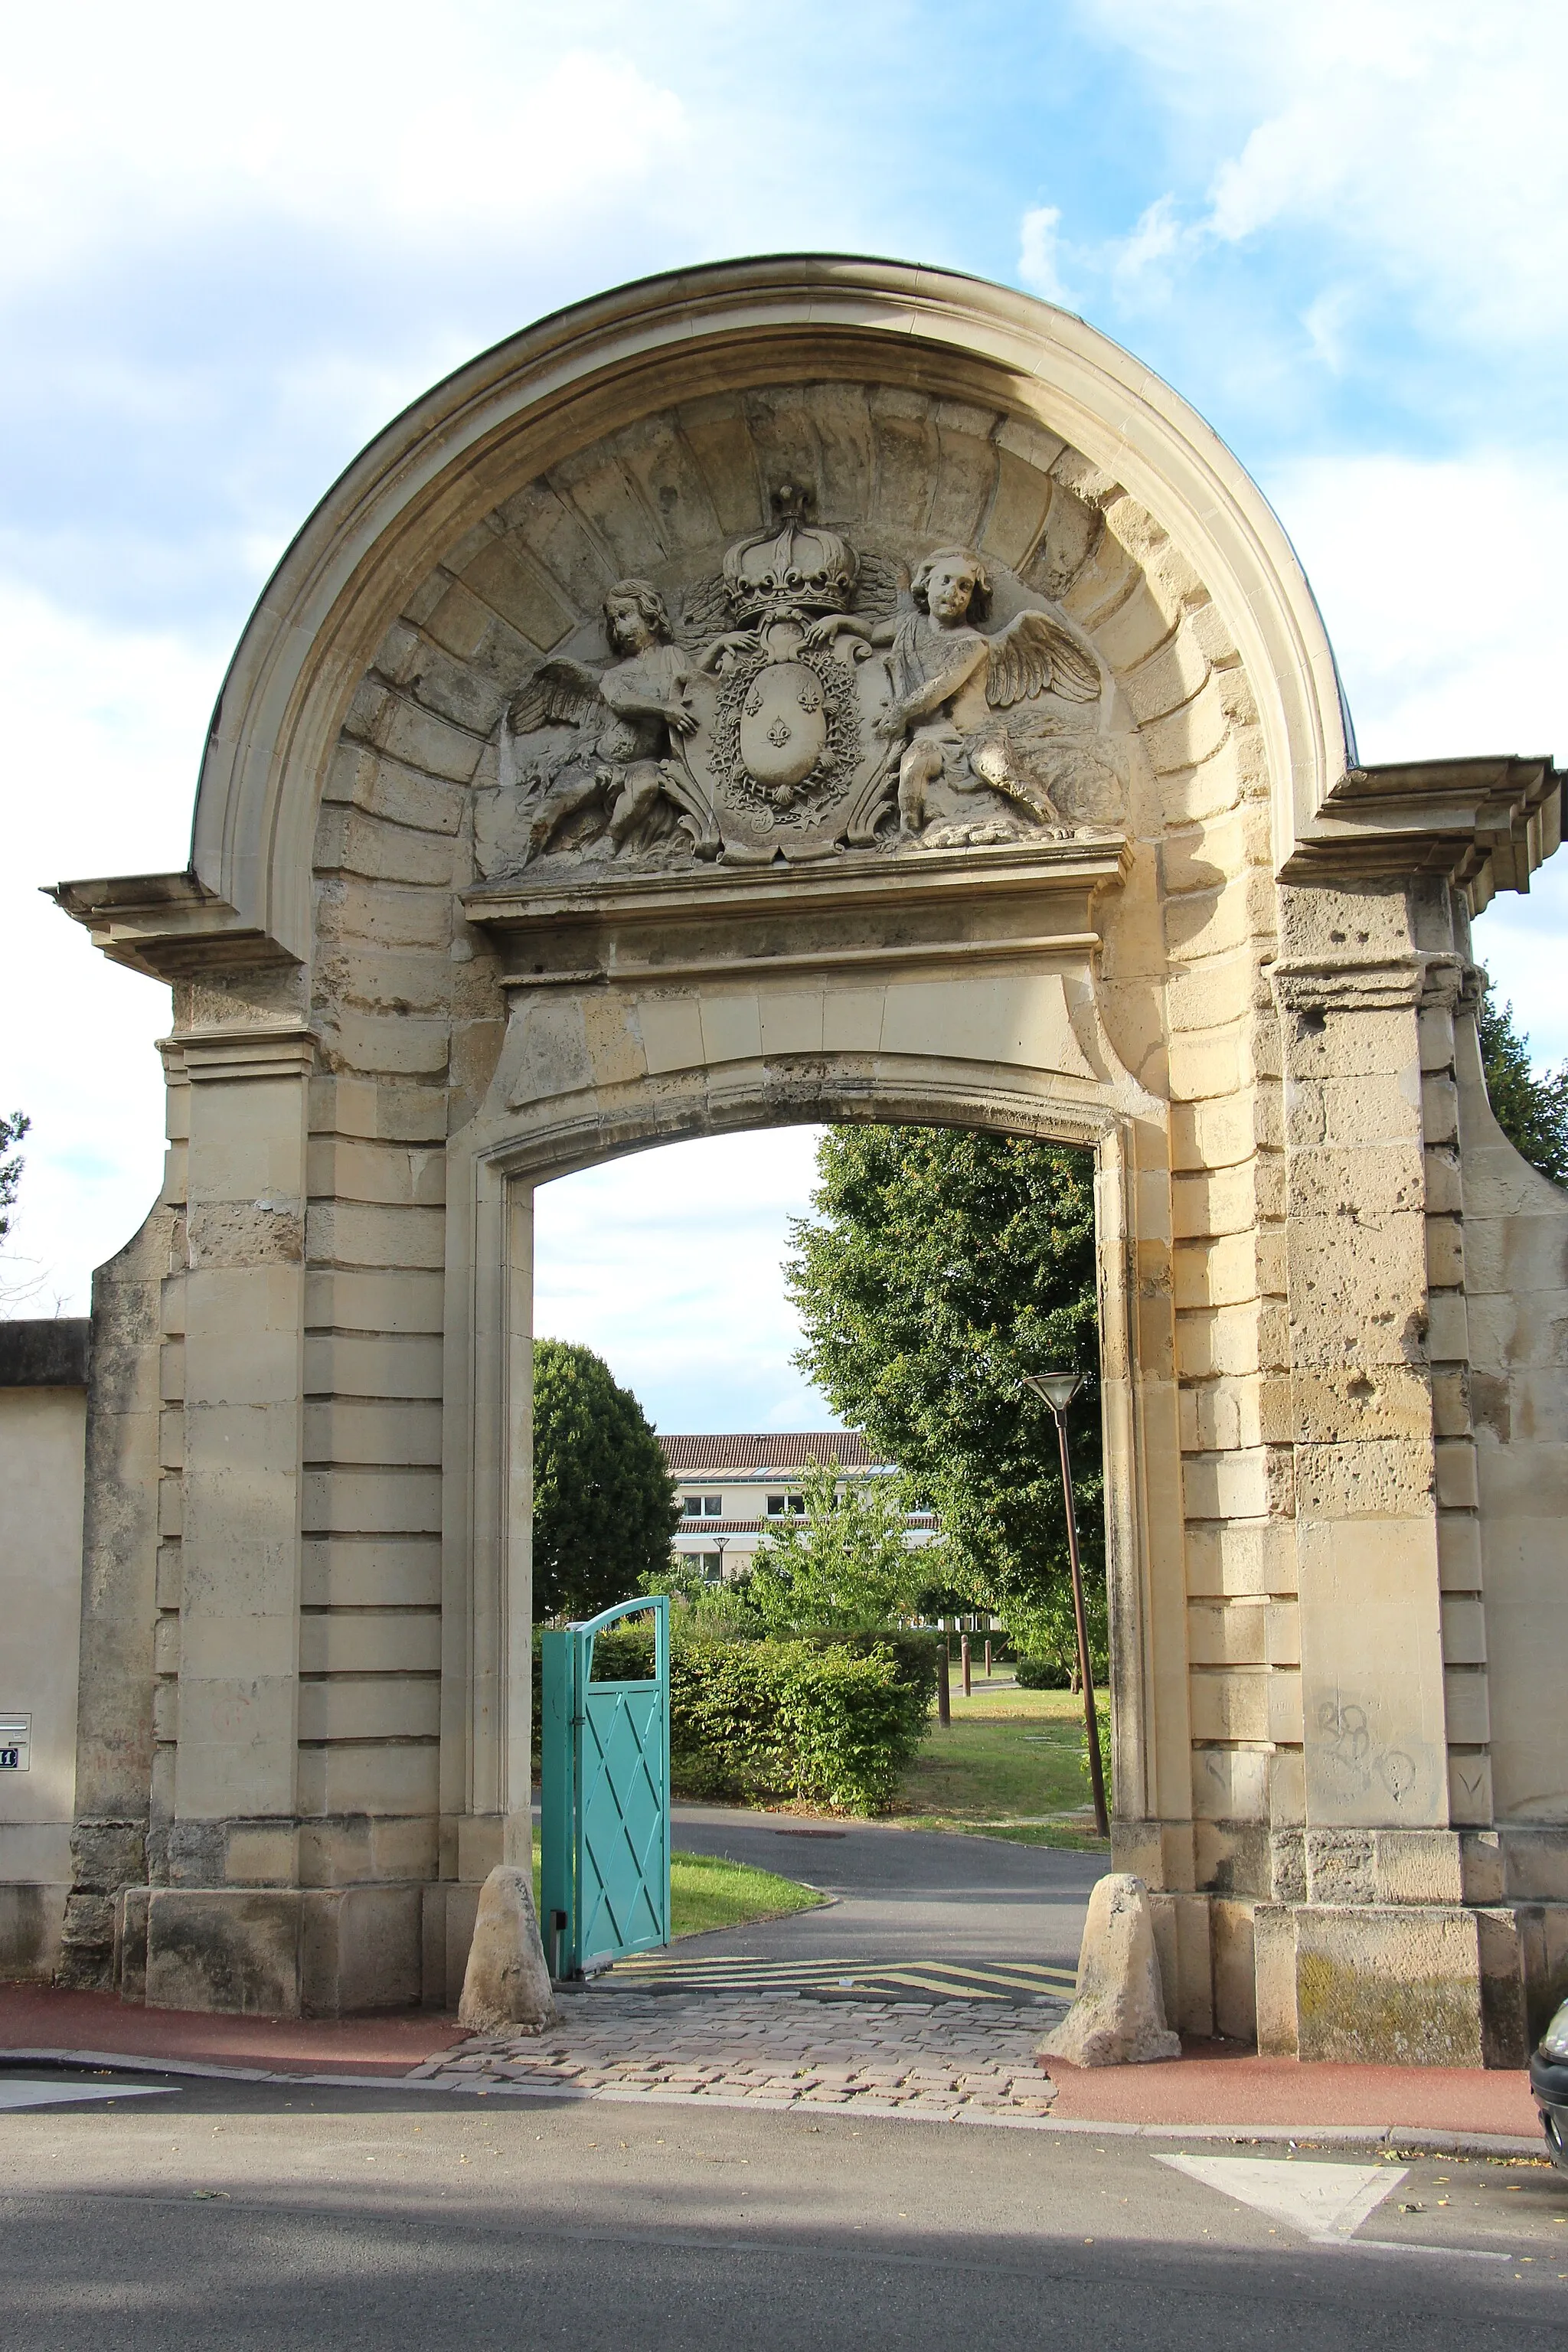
<point>506,1983</point>
<point>1118,2016</point>
<point>115,1757</point>
<point>43,1415</point>
<point>848,692</point>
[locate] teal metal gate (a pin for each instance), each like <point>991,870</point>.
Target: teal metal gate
<point>604,1798</point>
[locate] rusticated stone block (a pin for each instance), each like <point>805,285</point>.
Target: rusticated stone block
<point>1378,1986</point>
<point>226,1951</point>
<point>360,1949</point>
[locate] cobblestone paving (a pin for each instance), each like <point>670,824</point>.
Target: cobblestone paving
<point>967,2061</point>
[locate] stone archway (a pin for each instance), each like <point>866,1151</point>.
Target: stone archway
<point>592,772</point>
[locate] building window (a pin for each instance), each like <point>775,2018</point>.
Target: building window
<point>779,1505</point>
<point>702,1507</point>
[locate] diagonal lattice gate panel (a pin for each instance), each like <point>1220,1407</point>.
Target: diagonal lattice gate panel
<point>605,1799</point>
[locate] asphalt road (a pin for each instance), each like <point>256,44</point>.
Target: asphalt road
<point>901,1894</point>
<point>244,2218</point>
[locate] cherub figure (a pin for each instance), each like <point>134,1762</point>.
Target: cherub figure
<point>633,708</point>
<point>949,679</point>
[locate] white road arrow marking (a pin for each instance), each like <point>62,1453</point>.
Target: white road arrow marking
<point>17,2091</point>
<point>1327,2202</point>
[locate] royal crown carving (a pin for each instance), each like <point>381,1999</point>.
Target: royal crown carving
<point>789,567</point>
<point>806,699</point>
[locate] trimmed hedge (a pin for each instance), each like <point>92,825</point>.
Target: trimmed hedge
<point>1037,1673</point>
<point>830,1719</point>
<point>792,1722</point>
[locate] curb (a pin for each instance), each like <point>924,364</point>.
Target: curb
<point>1404,2136</point>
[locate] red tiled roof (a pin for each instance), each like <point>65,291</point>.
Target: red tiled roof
<point>761,1449</point>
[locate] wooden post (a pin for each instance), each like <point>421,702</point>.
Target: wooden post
<point>943,1687</point>
<point>964,1652</point>
<point>987,1657</point>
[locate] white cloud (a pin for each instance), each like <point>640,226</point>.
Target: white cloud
<point>1444,594</point>
<point>397,126</point>
<point>1447,606</point>
<point>1327,321</point>
<point>103,733</point>
<point>1423,135</point>
<point>1156,236</point>
<point>1039,252</point>
<point>667,1265</point>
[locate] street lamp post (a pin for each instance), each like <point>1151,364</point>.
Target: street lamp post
<point>1058,1389</point>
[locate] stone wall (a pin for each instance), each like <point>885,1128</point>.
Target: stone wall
<point>43,1419</point>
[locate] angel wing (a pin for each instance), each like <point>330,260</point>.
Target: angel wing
<point>1033,654</point>
<point>881,588</point>
<point>706,612</point>
<point>560,693</point>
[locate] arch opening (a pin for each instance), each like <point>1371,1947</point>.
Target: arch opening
<point>670,1271</point>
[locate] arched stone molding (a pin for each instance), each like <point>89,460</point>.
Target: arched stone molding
<point>533,401</point>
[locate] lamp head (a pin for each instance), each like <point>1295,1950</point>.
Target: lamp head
<point>1058,1388</point>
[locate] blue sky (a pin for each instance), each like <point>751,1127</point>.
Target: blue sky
<point>231,247</point>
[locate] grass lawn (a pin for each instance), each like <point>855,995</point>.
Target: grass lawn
<point>706,1892</point>
<point>1012,1766</point>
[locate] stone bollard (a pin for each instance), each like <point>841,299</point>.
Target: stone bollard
<point>1118,2016</point>
<point>506,1985</point>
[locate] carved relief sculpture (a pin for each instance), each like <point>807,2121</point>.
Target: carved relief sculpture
<point>623,720</point>
<point>950,683</point>
<point>814,699</point>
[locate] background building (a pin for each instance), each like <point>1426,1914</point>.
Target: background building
<point>732,1483</point>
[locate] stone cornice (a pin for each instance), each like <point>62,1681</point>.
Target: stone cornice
<point>1347,984</point>
<point>164,925</point>
<point>1373,983</point>
<point>858,879</point>
<point>221,1055</point>
<point>1485,824</point>
<point>846,913</point>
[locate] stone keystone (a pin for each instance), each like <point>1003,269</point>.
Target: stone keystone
<point>1118,2016</point>
<point>506,1985</point>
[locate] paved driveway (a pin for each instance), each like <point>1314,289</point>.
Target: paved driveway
<point>902,1895</point>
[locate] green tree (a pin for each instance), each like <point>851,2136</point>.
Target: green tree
<point>1530,1108</point>
<point>939,1267</point>
<point>842,1565</point>
<point>604,1502</point>
<point>12,1131</point>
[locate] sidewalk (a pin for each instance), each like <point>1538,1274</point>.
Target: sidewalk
<point>40,2017</point>
<point>1223,2084</point>
<point>952,2061</point>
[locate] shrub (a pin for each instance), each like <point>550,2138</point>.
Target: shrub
<point>793,1722</point>
<point>1034,1672</point>
<point>831,1720</point>
<point>915,1656</point>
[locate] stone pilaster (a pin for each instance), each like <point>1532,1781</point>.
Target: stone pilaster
<point>235,1797</point>
<point>1374,1951</point>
